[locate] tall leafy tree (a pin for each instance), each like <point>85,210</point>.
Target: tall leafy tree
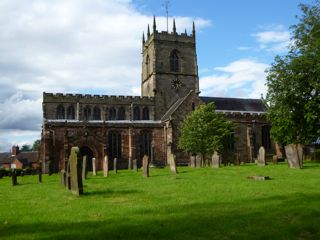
<point>293,83</point>
<point>203,130</point>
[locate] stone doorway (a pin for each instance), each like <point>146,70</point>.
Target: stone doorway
<point>86,151</point>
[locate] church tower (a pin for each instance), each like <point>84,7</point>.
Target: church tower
<point>169,66</point>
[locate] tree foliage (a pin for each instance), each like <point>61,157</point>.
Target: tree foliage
<point>293,83</point>
<point>25,148</point>
<point>203,130</point>
<point>36,145</point>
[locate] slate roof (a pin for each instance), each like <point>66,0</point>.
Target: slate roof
<point>24,157</point>
<point>236,104</point>
<point>174,107</point>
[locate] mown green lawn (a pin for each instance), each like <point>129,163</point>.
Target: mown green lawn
<point>201,203</point>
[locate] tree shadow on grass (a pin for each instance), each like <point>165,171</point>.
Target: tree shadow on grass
<point>253,219</point>
<point>110,192</point>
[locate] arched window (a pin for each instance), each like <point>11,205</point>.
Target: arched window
<point>145,143</point>
<point>96,113</point>
<point>174,61</point>
<point>70,112</point>
<point>114,145</point>
<point>145,113</point>
<point>87,113</point>
<point>112,113</point>
<point>148,66</point>
<point>60,112</point>
<point>136,113</point>
<point>121,113</point>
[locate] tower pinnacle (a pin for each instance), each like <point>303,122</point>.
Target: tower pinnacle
<point>154,25</point>
<point>174,26</point>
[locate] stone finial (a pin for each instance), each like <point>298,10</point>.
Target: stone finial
<point>148,32</point>
<point>143,39</point>
<point>193,29</point>
<point>154,25</point>
<point>185,31</point>
<point>174,26</point>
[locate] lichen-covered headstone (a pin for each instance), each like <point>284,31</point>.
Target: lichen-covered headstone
<point>294,155</point>
<point>145,164</point>
<point>75,171</point>
<point>94,172</point>
<point>173,166</point>
<point>261,157</point>
<point>193,161</point>
<point>84,167</point>
<point>105,166</point>
<point>135,165</point>
<point>215,160</point>
<point>115,165</point>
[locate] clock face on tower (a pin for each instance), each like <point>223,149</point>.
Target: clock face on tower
<point>175,83</point>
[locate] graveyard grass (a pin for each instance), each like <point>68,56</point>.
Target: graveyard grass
<point>200,203</point>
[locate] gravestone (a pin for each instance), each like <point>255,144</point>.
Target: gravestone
<point>94,172</point>
<point>14,177</point>
<point>215,160</point>
<point>105,166</point>
<point>63,178</point>
<point>135,166</point>
<point>68,179</point>
<point>129,163</point>
<point>172,162</point>
<point>294,154</point>
<point>75,171</point>
<point>115,165</point>
<point>192,161</point>
<point>145,164</point>
<point>261,157</point>
<point>84,167</point>
<point>198,160</point>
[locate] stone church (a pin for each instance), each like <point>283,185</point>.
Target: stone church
<point>127,127</point>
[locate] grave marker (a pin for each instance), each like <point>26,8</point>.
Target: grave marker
<point>145,163</point>
<point>75,171</point>
<point>105,166</point>
<point>261,157</point>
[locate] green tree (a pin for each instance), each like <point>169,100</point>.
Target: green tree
<point>204,130</point>
<point>293,83</point>
<point>25,148</point>
<point>36,145</point>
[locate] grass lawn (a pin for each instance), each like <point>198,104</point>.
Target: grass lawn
<point>201,203</point>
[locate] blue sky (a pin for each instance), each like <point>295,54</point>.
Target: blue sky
<point>82,46</point>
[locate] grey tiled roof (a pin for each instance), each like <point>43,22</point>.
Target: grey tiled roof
<point>236,104</point>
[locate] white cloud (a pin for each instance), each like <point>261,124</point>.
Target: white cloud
<point>241,78</point>
<point>69,46</point>
<point>274,39</point>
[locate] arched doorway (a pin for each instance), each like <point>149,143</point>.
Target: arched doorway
<point>86,151</point>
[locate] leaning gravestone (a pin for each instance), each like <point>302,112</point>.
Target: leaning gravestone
<point>145,164</point>
<point>198,160</point>
<point>84,167</point>
<point>215,160</point>
<point>173,166</point>
<point>261,157</point>
<point>135,165</point>
<point>105,166</point>
<point>193,161</point>
<point>294,154</point>
<point>94,172</point>
<point>75,171</point>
